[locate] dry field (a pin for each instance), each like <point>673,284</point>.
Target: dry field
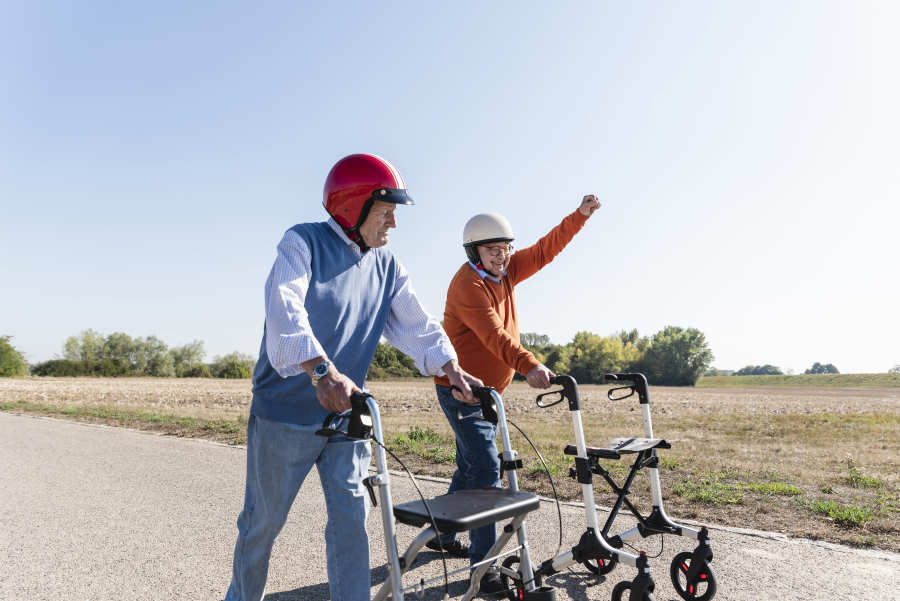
<point>813,462</point>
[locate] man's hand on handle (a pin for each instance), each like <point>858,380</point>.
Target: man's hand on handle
<point>333,391</point>
<point>463,381</point>
<point>539,376</point>
<point>588,205</point>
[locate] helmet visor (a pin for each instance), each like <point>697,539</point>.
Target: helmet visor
<point>394,195</point>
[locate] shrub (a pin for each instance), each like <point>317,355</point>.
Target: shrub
<point>63,368</point>
<point>758,370</point>
<point>12,363</point>
<point>232,366</point>
<point>197,371</point>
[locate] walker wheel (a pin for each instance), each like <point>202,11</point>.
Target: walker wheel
<point>602,565</point>
<point>703,586</point>
<point>618,592</point>
<point>514,587</point>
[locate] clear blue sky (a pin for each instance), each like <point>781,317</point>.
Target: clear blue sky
<point>152,155</point>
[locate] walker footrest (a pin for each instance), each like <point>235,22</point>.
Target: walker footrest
<point>620,446</point>
<point>467,509</point>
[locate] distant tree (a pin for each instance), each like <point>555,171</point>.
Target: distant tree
<point>186,358</point>
<point>759,370</point>
<point>87,346</point>
<point>894,370</point>
<point>120,346</point>
<point>591,356</point>
<point>676,357</point>
<point>198,371</point>
<point>232,366</point>
<point>390,362</point>
<point>532,339</point>
<point>152,358</point>
<point>818,368</point>
<point>712,371</point>
<point>12,362</point>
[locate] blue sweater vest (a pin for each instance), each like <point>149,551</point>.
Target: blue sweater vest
<point>348,302</point>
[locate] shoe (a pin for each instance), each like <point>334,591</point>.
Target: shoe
<point>491,584</point>
<point>454,548</point>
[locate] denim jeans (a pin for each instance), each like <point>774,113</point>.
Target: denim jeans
<point>477,463</point>
<point>279,456</point>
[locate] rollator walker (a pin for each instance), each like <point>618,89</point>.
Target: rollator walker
<point>599,551</point>
<point>455,512</point>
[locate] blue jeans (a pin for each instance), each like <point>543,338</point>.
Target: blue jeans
<point>279,456</point>
<point>477,463</point>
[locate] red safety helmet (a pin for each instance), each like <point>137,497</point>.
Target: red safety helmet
<point>358,180</point>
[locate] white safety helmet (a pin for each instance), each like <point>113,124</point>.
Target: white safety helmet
<point>485,228</point>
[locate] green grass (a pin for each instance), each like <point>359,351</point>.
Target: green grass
<point>857,479</point>
<point>847,516</point>
<point>806,380</point>
<point>773,488</point>
<point>162,421</point>
<point>425,443</point>
<point>711,492</point>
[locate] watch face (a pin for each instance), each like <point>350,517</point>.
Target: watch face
<point>321,369</point>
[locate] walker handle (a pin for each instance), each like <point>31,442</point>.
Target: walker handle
<point>569,392</point>
<point>360,417</point>
<point>488,406</point>
<point>634,381</point>
<point>360,425</point>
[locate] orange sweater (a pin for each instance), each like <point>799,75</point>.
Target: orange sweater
<point>480,315</point>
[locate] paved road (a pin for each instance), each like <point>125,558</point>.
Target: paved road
<point>96,513</point>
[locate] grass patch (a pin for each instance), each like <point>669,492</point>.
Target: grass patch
<point>846,516</point>
<point>710,492</point>
<point>857,479</point>
<point>231,431</point>
<point>773,488</point>
<point>669,463</point>
<point>425,443</point>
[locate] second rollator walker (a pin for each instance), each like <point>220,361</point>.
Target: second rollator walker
<point>598,550</point>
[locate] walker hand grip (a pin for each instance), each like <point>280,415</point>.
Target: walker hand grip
<point>360,425</point>
<point>634,381</point>
<point>488,406</point>
<point>360,417</point>
<point>569,390</point>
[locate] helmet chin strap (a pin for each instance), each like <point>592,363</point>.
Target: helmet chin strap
<point>356,237</point>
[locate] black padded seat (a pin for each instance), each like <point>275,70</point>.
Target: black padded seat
<point>620,446</point>
<point>467,509</point>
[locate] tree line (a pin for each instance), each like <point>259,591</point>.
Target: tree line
<point>673,356</point>
<point>118,354</point>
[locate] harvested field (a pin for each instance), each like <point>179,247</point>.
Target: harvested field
<point>813,462</point>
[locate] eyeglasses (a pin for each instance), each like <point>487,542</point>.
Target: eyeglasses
<point>496,251</point>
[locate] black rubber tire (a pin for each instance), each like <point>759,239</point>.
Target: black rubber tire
<point>600,567</point>
<point>702,590</point>
<point>511,585</point>
<point>618,592</point>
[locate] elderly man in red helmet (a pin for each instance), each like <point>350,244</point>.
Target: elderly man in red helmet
<point>333,292</point>
<point>480,318</point>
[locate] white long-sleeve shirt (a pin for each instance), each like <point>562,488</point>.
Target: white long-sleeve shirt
<point>290,340</point>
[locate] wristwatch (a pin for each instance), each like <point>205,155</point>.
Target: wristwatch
<point>320,371</point>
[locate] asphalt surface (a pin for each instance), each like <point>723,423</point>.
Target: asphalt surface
<point>97,513</point>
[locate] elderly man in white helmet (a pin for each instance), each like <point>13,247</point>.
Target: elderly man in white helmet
<point>480,319</point>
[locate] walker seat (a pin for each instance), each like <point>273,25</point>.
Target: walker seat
<point>619,446</point>
<point>468,509</point>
